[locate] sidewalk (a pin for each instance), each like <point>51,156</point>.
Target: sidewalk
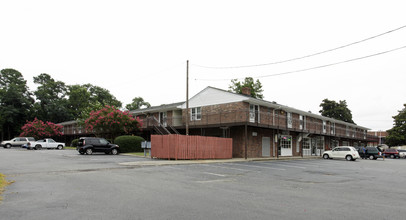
<point>163,162</point>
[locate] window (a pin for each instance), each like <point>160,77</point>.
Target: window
<point>196,114</point>
<point>302,122</point>
<point>254,113</point>
<point>334,143</point>
<point>332,128</point>
<point>289,119</point>
<point>286,142</point>
<point>324,127</point>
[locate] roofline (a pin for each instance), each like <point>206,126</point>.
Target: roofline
<point>172,106</point>
<point>248,99</point>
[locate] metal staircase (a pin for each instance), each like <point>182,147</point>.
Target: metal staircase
<point>161,129</point>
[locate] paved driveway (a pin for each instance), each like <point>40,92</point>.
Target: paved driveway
<point>52,184</point>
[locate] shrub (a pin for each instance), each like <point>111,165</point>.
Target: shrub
<point>39,129</point>
<point>74,143</point>
<point>129,143</point>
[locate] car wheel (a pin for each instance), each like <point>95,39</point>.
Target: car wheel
<point>38,147</point>
<point>392,156</point>
<point>114,151</point>
<point>371,157</point>
<point>325,156</point>
<point>60,147</point>
<point>89,151</point>
<point>7,146</point>
<point>348,157</point>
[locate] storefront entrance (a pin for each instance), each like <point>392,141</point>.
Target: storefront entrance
<point>286,145</point>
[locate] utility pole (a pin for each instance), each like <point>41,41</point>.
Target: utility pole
<point>187,97</point>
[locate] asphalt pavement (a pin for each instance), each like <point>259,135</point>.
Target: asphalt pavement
<point>52,184</point>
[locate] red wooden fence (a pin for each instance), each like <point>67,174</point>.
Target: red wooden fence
<point>184,147</point>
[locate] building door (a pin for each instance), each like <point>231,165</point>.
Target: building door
<point>286,145</point>
<point>266,146</point>
<point>254,113</point>
<point>162,118</point>
<point>306,147</point>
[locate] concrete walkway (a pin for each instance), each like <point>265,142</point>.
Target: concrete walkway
<point>163,162</point>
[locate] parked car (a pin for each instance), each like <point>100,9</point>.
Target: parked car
<point>47,143</point>
<point>344,152</point>
<point>391,152</point>
<point>402,153</point>
<point>16,142</point>
<point>372,153</point>
<point>88,145</point>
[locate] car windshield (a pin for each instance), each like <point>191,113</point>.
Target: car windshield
<point>402,150</point>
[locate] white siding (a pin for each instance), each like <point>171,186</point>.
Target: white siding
<point>212,96</point>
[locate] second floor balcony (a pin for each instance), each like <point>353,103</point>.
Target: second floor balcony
<point>285,121</point>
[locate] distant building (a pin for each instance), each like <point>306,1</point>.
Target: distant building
<point>381,135</point>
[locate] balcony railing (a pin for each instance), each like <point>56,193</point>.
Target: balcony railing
<point>267,120</point>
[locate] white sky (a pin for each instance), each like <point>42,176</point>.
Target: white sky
<point>139,48</point>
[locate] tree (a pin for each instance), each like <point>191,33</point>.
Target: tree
<point>52,104</point>
<point>397,134</point>
<point>86,98</point>
<point>39,129</point>
<point>339,111</point>
<point>256,87</point>
<point>137,103</point>
<point>110,120</point>
<point>15,102</point>
<point>79,101</point>
<point>102,96</point>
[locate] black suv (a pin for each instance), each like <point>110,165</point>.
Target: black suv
<point>372,153</point>
<point>88,145</point>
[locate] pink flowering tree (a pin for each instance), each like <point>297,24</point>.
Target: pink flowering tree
<point>112,121</point>
<point>39,129</point>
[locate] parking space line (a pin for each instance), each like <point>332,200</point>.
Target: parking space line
<point>285,165</point>
<point>228,167</point>
<point>215,174</point>
<point>272,168</point>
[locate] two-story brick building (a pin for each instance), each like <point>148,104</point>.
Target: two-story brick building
<point>258,128</point>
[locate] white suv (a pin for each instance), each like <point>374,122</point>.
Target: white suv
<point>343,152</point>
<point>16,142</point>
<point>402,153</point>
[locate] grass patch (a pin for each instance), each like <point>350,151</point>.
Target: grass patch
<point>141,154</point>
<point>70,148</point>
<point>3,184</point>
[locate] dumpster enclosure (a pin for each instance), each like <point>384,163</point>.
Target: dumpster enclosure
<point>185,147</point>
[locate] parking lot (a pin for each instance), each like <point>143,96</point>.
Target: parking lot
<point>61,184</point>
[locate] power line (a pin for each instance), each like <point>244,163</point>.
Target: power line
<point>302,57</point>
<point>317,67</point>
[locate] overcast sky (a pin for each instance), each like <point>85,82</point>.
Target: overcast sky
<point>139,48</point>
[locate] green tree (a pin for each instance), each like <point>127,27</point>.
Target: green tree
<point>15,102</point>
<point>52,104</point>
<point>83,99</point>
<point>102,96</point>
<point>112,121</point>
<point>255,87</point>
<point>137,103</point>
<point>79,101</point>
<point>339,111</point>
<point>397,134</point>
